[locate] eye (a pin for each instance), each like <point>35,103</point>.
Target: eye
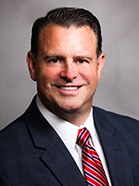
<point>54,60</point>
<point>82,61</point>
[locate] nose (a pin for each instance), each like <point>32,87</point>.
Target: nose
<point>69,71</point>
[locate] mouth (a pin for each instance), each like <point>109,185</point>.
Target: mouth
<point>68,88</point>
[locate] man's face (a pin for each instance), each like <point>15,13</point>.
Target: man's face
<point>67,69</point>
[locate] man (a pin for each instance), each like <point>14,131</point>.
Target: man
<point>40,147</point>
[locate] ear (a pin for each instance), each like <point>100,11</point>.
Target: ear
<point>31,65</point>
<point>100,63</point>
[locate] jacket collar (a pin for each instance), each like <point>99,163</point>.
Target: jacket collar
<point>55,154</point>
<point>114,148</point>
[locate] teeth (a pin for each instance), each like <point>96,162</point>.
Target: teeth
<point>69,88</point>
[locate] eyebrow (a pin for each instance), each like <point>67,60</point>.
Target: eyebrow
<point>48,56</point>
<point>84,57</point>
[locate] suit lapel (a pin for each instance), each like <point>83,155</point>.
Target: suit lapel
<point>114,149</point>
<point>58,159</point>
<point>55,154</point>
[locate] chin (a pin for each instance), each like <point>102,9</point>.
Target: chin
<point>70,109</point>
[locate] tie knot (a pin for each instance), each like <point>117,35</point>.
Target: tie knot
<point>83,136</point>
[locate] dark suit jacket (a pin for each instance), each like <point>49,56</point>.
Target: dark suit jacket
<point>32,153</point>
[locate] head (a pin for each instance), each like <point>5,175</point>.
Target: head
<point>66,61</point>
<point>66,17</point>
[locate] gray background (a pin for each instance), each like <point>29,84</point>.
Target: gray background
<point>118,89</point>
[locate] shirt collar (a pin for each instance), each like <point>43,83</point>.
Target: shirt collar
<point>66,130</point>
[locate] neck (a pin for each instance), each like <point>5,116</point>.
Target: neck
<point>77,117</point>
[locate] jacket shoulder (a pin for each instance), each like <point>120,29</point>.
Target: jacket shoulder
<point>13,132</point>
<point>18,127</point>
<point>105,113</point>
<point>123,124</point>
<point>114,116</point>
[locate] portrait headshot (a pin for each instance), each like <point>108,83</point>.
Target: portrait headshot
<point>69,96</point>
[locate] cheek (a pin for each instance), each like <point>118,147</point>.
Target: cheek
<point>90,75</point>
<point>46,76</point>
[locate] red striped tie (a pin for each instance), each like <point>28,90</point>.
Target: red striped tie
<point>93,169</point>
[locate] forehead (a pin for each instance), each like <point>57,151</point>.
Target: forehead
<point>70,40</point>
<point>56,30</point>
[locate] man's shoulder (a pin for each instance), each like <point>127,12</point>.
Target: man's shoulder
<point>109,115</point>
<point>19,124</point>
<point>13,130</point>
<point>111,121</point>
<point>13,138</point>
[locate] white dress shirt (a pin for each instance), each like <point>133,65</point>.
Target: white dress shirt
<point>68,133</point>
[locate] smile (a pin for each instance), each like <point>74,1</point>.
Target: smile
<point>68,88</point>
